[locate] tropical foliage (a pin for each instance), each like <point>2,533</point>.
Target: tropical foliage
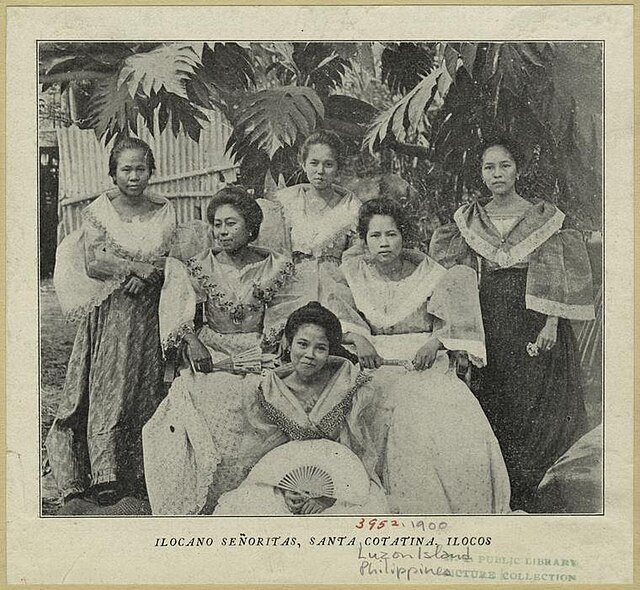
<point>418,109</point>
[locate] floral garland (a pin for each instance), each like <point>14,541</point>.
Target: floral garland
<point>239,311</point>
<point>267,293</point>
<point>174,339</point>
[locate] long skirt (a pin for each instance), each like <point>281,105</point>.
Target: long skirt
<point>192,444</point>
<point>437,452</point>
<point>534,404</point>
<point>112,387</point>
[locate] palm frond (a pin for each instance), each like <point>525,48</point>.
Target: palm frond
<point>112,110</point>
<point>405,64</point>
<point>228,66</point>
<point>275,118</point>
<point>168,67</point>
<point>406,117</point>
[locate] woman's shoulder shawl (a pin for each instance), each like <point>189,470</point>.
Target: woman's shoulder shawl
<point>290,198</point>
<point>537,225</point>
<point>559,280</point>
<point>275,271</point>
<point>357,256</point>
<point>96,212</point>
<point>349,199</point>
<point>385,304</point>
<point>145,241</point>
<point>449,248</point>
<point>100,211</point>
<point>283,409</point>
<point>293,192</point>
<point>312,235</point>
<point>268,275</point>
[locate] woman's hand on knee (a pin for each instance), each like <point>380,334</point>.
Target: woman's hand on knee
<point>426,355</point>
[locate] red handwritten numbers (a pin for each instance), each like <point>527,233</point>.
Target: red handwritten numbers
<point>373,524</point>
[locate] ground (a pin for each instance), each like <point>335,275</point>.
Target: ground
<point>56,342</point>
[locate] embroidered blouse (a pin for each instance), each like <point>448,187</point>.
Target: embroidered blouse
<point>430,300</point>
<point>235,299</point>
<point>317,234</point>
<point>95,261</point>
<point>276,414</point>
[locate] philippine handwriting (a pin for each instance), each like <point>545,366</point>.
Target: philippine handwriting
<point>407,564</point>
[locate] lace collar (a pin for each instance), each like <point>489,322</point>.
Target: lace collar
<point>329,411</point>
<point>144,238</point>
<point>259,282</point>
<point>537,225</point>
<point>313,234</point>
<point>386,303</point>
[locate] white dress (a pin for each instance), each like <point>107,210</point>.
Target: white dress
<point>438,454</point>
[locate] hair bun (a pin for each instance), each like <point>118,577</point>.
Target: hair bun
<point>314,313</point>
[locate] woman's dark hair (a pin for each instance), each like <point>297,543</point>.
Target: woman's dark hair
<point>323,137</point>
<point>316,314</point>
<point>238,198</point>
<point>508,144</point>
<point>382,206</point>
<point>130,143</point>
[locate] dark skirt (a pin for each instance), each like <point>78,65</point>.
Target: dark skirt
<point>112,387</point>
<point>534,404</point>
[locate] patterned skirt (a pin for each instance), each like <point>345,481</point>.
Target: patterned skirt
<point>192,444</point>
<point>112,387</point>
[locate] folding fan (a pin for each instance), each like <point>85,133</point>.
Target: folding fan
<point>316,468</point>
<point>310,480</point>
<point>252,360</point>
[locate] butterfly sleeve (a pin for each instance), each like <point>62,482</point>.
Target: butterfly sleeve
<point>177,304</point>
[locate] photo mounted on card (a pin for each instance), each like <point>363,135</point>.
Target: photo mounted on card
<point>319,286</point>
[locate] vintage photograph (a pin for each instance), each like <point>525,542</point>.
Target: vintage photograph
<point>321,278</point>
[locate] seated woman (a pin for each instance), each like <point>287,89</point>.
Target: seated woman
<point>438,452</point>
<point>305,477</point>
<point>317,395</point>
<point>196,429</point>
